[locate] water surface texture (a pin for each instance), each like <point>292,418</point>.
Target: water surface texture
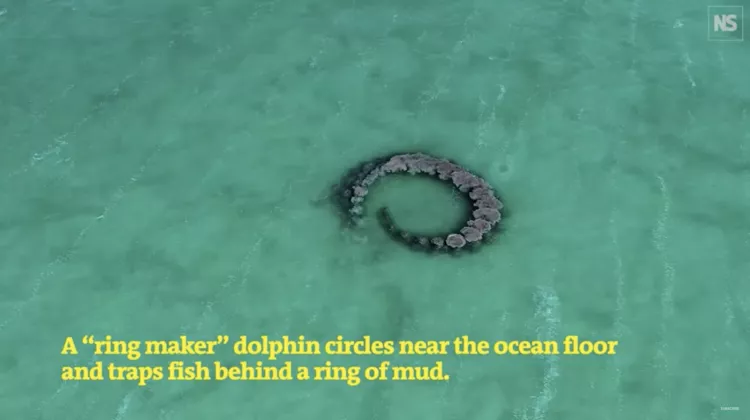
<point>163,168</point>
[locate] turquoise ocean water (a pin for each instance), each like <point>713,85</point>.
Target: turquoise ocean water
<point>163,166</point>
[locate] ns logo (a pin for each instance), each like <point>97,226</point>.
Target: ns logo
<point>725,23</point>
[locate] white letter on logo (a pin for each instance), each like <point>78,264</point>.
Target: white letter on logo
<point>725,23</point>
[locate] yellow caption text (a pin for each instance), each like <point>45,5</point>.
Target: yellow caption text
<point>274,359</point>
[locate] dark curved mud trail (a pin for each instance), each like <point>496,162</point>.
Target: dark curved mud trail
<point>486,208</point>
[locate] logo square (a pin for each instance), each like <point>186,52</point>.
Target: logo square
<point>726,23</point>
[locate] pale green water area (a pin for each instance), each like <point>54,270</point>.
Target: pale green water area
<point>163,168</point>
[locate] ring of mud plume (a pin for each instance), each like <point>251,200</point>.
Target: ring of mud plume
<point>484,217</point>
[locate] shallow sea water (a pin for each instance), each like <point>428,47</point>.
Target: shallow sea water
<point>162,166</point>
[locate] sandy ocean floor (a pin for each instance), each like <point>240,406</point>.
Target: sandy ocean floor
<point>162,166</point>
